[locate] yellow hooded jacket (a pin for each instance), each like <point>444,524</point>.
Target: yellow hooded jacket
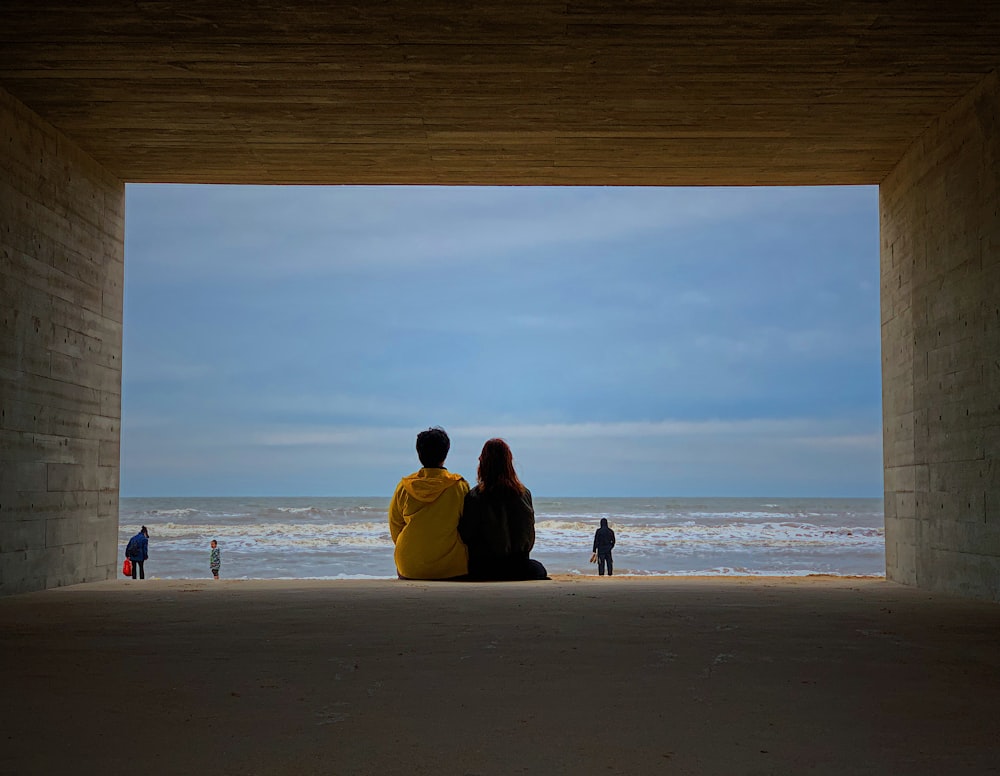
<point>423,521</point>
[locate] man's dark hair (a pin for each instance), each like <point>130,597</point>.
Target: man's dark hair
<point>433,446</point>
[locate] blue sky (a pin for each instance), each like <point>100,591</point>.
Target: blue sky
<point>625,341</point>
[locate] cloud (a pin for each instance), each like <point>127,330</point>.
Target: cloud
<point>143,366</point>
<point>794,431</point>
<point>286,230</point>
<point>327,405</point>
<point>658,340</point>
<point>769,343</point>
<point>325,437</point>
<point>667,457</point>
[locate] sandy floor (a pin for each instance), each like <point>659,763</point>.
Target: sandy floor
<point>572,676</point>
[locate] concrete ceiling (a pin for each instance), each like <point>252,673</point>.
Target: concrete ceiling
<point>711,92</point>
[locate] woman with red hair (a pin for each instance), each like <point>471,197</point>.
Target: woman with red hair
<point>498,520</point>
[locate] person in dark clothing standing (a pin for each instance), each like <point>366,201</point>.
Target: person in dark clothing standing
<point>498,520</point>
<point>604,541</point>
<point>137,551</point>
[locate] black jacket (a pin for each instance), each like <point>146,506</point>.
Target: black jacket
<point>499,530</point>
<point>604,538</point>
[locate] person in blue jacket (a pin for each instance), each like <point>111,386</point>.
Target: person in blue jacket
<point>137,550</point>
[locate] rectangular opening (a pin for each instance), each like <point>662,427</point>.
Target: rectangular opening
<point>700,365</point>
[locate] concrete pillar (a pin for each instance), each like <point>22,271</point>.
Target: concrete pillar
<point>61,259</point>
<point>940,256</point>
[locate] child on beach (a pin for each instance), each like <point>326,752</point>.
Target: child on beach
<point>215,559</point>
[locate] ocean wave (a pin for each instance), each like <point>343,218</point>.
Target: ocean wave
<point>270,529</point>
<point>318,537</point>
<point>227,514</point>
<point>551,536</point>
<point>692,537</point>
<point>267,536</point>
<point>676,516</point>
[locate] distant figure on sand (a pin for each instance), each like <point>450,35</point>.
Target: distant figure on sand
<point>424,513</point>
<point>215,559</point>
<point>137,551</point>
<point>498,524</point>
<point>604,541</point>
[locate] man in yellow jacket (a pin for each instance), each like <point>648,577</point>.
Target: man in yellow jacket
<point>423,516</point>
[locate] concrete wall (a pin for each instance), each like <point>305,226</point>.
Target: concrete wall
<point>940,255</point>
<point>61,259</point>
<point>61,262</point>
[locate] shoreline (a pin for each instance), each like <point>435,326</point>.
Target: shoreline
<point>300,537</point>
<point>552,578</point>
<point>385,585</point>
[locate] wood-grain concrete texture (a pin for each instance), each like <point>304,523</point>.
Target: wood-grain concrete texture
<point>61,273</point>
<point>484,92</point>
<point>724,677</point>
<point>940,243</point>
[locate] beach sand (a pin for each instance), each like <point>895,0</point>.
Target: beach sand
<point>819,675</point>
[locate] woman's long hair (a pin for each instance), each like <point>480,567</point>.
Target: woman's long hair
<point>496,469</point>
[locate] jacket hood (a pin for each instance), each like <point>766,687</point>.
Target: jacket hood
<point>427,484</point>
<point>604,522</point>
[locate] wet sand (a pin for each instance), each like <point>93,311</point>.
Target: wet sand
<point>577,675</point>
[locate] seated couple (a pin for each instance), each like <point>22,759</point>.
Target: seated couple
<point>443,530</point>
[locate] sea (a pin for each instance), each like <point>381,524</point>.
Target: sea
<point>348,538</point>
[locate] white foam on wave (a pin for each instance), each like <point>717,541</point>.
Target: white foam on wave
<point>275,536</point>
<point>227,514</point>
<point>172,512</point>
<point>679,516</point>
<point>555,535</point>
<point>551,536</point>
<point>316,538</point>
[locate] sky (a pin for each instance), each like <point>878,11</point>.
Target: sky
<point>292,341</point>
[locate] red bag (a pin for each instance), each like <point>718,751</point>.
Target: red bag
<point>127,568</point>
